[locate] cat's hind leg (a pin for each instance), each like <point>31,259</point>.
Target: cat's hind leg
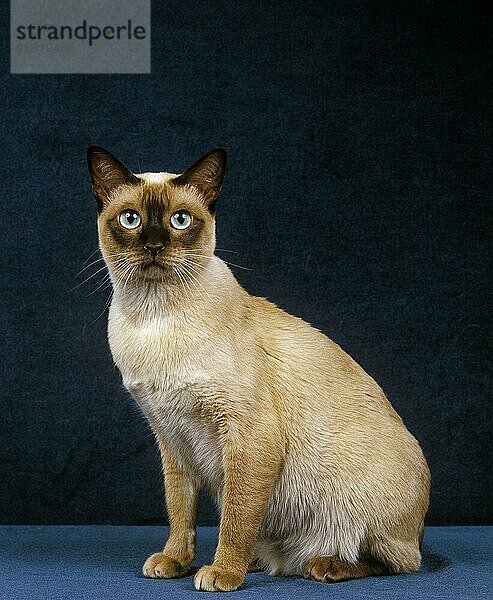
<point>384,556</point>
<point>400,556</point>
<point>330,569</point>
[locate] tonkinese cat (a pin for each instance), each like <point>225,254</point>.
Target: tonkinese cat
<point>314,472</point>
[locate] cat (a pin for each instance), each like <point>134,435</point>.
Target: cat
<point>313,470</point>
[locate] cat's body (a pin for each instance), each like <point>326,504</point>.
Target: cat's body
<point>312,468</point>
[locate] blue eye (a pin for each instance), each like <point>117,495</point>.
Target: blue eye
<point>129,219</point>
<point>181,219</point>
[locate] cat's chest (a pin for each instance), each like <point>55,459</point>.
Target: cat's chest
<point>162,353</point>
<point>166,368</point>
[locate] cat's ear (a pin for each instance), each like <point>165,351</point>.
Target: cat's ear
<point>206,176</point>
<point>107,173</point>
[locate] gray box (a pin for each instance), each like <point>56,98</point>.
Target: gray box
<point>70,36</point>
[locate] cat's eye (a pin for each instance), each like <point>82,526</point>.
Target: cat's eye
<point>181,219</point>
<point>129,219</point>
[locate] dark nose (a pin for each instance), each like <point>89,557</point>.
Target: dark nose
<point>153,249</point>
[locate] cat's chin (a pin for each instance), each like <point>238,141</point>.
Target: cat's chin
<point>153,270</point>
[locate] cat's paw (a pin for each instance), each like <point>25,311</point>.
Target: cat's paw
<point>161,566</point>
<point>326,568</point>
<point>330,569</point>
<point>217,579</point>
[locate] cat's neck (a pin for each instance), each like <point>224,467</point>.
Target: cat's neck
<point>199,294</point>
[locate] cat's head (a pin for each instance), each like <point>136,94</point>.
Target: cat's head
<point>155,226</point>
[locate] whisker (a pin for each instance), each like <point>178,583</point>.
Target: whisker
<point>190,271</point>
<point>86,280</point>
<point>125,271</point>
<point>192,262</point>
<point>87,266</point>
<point>191,253</point>
<point>130,274</point>
<point>120,254</point>
<point>183,282</point>
<point>239,266</point>
<point>226,261</point>
<point>106,279</point>
<point>106,305</point>
<point>92,254</point>
<point>193,282</point>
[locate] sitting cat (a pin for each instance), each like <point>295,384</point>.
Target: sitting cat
<point>314,472</point>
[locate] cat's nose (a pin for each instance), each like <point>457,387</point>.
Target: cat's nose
<point>153,249</point>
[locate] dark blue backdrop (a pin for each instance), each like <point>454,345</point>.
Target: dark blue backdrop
<point>358,193</point>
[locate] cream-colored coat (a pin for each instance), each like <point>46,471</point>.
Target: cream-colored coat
<point>351,476</point>
<point>313,470</point>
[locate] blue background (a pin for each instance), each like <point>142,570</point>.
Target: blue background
<point>358,192</point>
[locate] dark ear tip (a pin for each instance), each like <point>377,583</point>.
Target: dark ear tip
<point>93,151</point>
<point>222,153</point>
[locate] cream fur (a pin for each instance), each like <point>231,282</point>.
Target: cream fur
<point>304,453</point>
<point>351,472</point>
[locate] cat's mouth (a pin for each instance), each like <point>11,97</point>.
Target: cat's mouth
<point>153,264</point>
<point>155,268</point>
<point>152,268</point>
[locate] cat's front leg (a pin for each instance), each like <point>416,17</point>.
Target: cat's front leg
<point>181,490</point>
<point>251,466</point>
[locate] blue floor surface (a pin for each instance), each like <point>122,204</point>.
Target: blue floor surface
<point>104,562</point>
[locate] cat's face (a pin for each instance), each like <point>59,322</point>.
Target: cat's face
<point>155,226</point>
